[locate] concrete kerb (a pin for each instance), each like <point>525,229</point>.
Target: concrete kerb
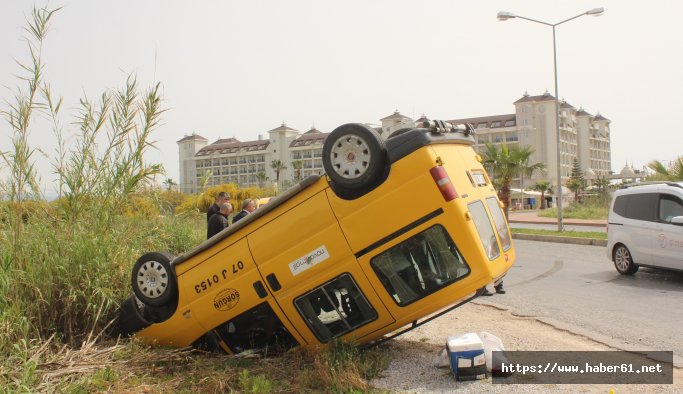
<point>561,239</point>
<point>566,222</point>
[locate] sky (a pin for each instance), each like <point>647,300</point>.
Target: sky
<point>240,68</point>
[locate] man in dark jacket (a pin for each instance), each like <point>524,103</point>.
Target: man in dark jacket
<point>218,221</point>
<point>248,206</point>
<point>222,197</point>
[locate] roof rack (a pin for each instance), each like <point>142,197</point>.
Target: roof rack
<point>668,183</point>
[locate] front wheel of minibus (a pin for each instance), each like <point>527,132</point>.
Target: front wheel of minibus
<point>355,159</point>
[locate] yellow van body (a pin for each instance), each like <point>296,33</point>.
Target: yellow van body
<point>313,257</point>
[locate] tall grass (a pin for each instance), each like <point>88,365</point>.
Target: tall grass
<point>64,266</point>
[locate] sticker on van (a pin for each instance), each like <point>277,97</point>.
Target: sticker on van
<point>226,299</point>
<point>309,260</point>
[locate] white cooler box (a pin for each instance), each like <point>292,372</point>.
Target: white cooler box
<point>466,352</point>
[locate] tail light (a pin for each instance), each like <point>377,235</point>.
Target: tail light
<point>443,182</point>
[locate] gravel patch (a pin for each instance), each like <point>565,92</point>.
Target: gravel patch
<point>412,367</point>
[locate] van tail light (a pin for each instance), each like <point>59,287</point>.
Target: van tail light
<point>443,182</point>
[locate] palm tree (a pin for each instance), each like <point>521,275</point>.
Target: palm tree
<point>297,165</point>
<point>673,173</point>
<point>576,186</point>
<point>204,180</point>
<point>278,166</point>
<point>543,187</point>
<point>602,183</point>
<point>261,177</point>
<point>506,163</point>
<point>529,170</point>
<point>170,184</point>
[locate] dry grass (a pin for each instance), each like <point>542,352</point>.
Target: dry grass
<point>127,366</point>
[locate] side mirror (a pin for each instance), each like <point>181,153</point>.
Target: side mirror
<point>677,220</point>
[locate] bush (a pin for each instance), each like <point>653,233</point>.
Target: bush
<point>586,210</point>
<point>202,202</point>
<point>74,274</point>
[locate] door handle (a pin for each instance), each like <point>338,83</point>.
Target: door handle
<point>273,282</point>
<point>260,289</point>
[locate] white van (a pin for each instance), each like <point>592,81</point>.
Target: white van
<point>645,227</point>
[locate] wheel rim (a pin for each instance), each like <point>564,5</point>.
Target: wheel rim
<point>350,156</point>
<point>622,258</point>
<point>152,279</point>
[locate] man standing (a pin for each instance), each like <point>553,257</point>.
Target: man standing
<point>218,221</point>
<point>248,206</point>
<point>222,197</point>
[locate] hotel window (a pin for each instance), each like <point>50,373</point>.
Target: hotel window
<point>495,124</point>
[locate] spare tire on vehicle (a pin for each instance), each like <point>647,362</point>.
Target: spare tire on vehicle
<point>355,160</point>
<point>153,280</point>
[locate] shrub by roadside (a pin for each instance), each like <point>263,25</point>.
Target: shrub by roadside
<point>578,211</point>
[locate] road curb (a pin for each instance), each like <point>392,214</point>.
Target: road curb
<point>565,222</point>
<point>561,239</point>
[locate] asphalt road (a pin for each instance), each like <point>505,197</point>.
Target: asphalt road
<point>578,287</point>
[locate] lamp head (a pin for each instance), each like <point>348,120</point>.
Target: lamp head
<point>504,15</point>
<point>596,11</point>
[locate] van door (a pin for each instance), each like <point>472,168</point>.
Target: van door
<point>668,249</point>
<point>639,225</point>
<point>232,302</point>
<point>313,275</point>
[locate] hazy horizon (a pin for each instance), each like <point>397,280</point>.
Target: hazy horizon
<point>235,69</point>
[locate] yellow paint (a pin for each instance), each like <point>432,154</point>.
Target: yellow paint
<point>316,218</point>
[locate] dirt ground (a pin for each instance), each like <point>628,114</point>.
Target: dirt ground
<point>412,367</point>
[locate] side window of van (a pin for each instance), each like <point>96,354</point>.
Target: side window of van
<point>257,328</point>
<point>420,265</point>
<point>641,206</point>
<point>669,207</point>
<point>335,308</point>
<point>620,205</point>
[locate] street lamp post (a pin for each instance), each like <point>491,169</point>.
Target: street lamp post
<point>503,16</point>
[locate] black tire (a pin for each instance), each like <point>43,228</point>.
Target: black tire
<point>623,261</point>
<point>153,280</point>
<point>355,159</point>
<point>400,131</point>
<point>130,318</point>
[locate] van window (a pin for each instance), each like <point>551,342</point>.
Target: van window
<point>499,221</point>
<point>483,225</point>
<point>641,206</point>
<point>257,328</point>
<point>669,207</point>
<point>420,265</point>
<point>620,205</point>
<point>335,308</point>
